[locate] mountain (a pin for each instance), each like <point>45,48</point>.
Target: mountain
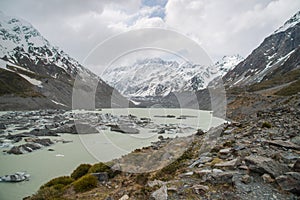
<point>156,77</point>
<point>35,74</point>
<point>276,56</point>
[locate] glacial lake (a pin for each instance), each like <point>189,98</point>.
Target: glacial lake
<point>44,165</point>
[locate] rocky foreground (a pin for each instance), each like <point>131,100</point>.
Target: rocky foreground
<point>255,157</point>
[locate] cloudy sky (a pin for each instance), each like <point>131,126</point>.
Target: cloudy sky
<point>221,27</point>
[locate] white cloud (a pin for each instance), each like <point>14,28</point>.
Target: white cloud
<point>229,27</point>
<point>220,26</point>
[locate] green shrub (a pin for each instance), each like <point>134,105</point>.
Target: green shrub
<point>85,183</point>
<point>101,167</point>
<point>46,193</point>
<point>266,125</point>
<point>58,182</point>
<point>80,171</point>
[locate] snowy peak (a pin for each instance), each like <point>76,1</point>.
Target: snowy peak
<point>158,77</point>
<point>22,44</point>
<point>227,63</point>
<point>290,23</point>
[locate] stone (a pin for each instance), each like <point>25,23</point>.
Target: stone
<point>285,144</point>
<point>223,177</point>
<point>200,132</point>
<point>229,164</point>
<point>124,129</point>
<point>225,151</point>
<point>155,182</point>
<point>267,178</point>
<point>200,188</point>
<point>296,140</point>
<point>161,193</point>
<point>217,171</point>
<point>290,182</point>
<point>2,126</point>
<point>261,165</point>
<point>186,174</point>
<point>296,166</point>
<point>246,179</point>
<point>124,197</point>
<point>101,176</point>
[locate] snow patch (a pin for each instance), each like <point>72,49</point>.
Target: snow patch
<point>32,80</point>
<point>58,103</point>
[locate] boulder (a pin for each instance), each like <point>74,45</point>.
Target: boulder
<point>2,126</point>
<point>281,143</point>
<point>124,197</point>
<point>124,129</point>
<point>262,165</point>
<point>296,166</point>
<point>228,164</point>
<point>78,128</point>
<point>101,176</point>
<point>161,193</point>
<point>290,182</point>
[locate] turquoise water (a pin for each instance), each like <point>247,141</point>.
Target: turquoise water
<point>43,165</point>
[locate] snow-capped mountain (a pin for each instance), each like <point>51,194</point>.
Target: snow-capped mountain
<point>157,77</point>
<point>277,54</point>
<point>45,73</point>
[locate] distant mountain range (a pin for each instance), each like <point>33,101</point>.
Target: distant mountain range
<point>153,77</point>
<point>34,74</point>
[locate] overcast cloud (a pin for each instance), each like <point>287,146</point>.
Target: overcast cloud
<point>221,27</point>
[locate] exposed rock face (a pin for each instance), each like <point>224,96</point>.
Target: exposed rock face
<point>261,165</point>
<point>290,182</point>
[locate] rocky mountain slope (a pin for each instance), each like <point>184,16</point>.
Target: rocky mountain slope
<point>34,74</point>
<point>156,77</point>
<point>276,55</point>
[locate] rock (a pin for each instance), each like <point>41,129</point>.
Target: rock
<point>296,166</point>
<point>161,193</point>
<point>102,176</point>
<point>124,197</point>
<point>156,182</point>
<point>290,182</point>
<point>77,129</point>
<point>124,129</point>
<point>187,174</point>
<point>285,144</point>
<point>2,126</point>
<point>228,132</point>
<point>201,160</point>
<point>261,165</point>
<point>267,178</point>
<point>246,179</point>
<point>296,140</point>
<point>35,143</point>
<point>214,171</point>
<point>225,151</point>
<point>200,132</point>
<point>42,132</point>
<point>199,188</point>
<point>51,150</point>
<point>229,164</point>
<point>221,178</point>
